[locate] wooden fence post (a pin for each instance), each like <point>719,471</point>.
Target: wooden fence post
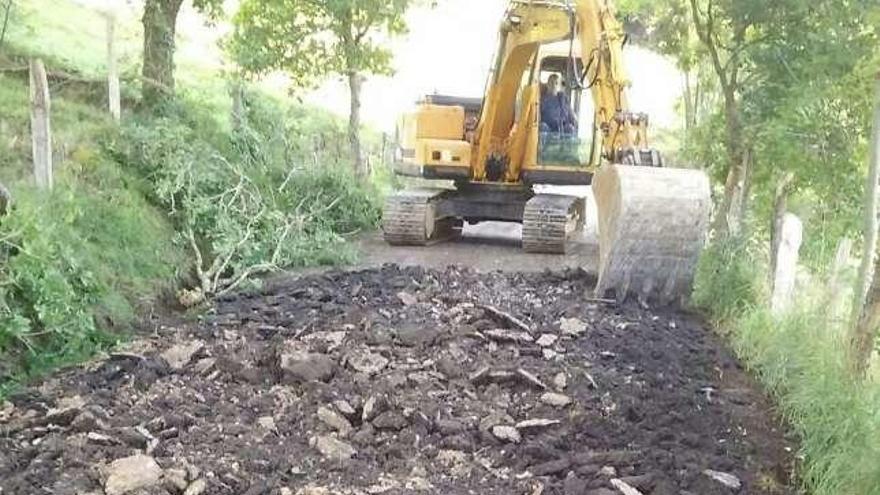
<point>785,276</point>
<point>41,130</point>
<point>113,98</point>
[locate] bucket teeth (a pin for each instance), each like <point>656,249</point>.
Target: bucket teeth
<point>550,221</point>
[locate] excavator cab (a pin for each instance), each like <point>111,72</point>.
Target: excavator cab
<point>569,145</point>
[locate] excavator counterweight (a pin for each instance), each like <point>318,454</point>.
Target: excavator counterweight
<point>554,112</point>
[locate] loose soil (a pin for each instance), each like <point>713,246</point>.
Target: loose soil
<point>406,380</point>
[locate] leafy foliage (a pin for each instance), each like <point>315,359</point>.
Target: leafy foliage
<point>240,206</point>
<point>73,266</point>
<point>311,39</point>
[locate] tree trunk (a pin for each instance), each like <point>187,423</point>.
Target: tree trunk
<point>160,19</point>
<point>354,124</point>
<point>727,213</point>
<point>41,129</point>
<point>689,110</point>
<point>865,330</point>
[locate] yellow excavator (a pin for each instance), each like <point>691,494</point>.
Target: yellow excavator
<point>558,66</point>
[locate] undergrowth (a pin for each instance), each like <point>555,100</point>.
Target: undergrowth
<point>800,359</point>
<point>180,198</point>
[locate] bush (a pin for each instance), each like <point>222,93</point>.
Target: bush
<point>240,205</point>
<point>74,263</point>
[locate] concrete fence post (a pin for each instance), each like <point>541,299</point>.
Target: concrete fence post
<point>785,276</point>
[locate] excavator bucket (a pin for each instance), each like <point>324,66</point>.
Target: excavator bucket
<point>652,227</point>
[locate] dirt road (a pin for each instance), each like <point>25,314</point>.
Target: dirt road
<point>399,381</point>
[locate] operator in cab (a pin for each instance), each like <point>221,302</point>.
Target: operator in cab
<point>556,113</point>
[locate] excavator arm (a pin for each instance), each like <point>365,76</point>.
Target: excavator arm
<point>624,133</point>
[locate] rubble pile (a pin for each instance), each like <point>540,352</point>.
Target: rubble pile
<point>393,381</point>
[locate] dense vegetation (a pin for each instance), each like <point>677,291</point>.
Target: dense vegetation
<point>181,201</point>
<point>777,107</point>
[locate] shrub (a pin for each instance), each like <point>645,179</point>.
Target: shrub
<point>240,206</point>
<point>74,263</point>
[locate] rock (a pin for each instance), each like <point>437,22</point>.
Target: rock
<point>203,366</point>
<point>390,420</point>
<point>365,436</point>
<point>506,434</point>
<point>726,479</point>
<point>99,439</point>
<point>333,449</point>
<point>345,408</point>
<point>549,354</point>
<point>334,420</point>
<point>267,423</point>
<point>509,336</point>
<point>180,355</point>
<point>449,367</point>
<point>451,427</point>
<point>87,421</point>
<point>197,487</point>
<point>67,410</point>
<point>572,327</point>
<point>560,381</point>
<point>373,407</point>
<point>456,462</point>
<point>308,367</point>
<point>494,418</point>
<point>366,362</point>
<point>419,484</point>
<point>531,379</point>
<point>417,335</point>
<point>132,473</point>
<point>608,471</point>
<point>556,400</point>
<point>550,467</point>
<point>547,340</point>
<point>407,299</point>
<point>326,341</point>
<point>624,487</point>
<point>573,485</point>
<point>534,425</point>
<point>175,479</point>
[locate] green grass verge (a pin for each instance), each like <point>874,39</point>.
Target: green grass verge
<point>800,359</point>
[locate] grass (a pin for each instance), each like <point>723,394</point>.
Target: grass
<point>80,263</point>
<point>800,359</point>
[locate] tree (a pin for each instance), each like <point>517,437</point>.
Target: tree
<point>311,39</point>
<point>160,27</point>
<point>865,330</point>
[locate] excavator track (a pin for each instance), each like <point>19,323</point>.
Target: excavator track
<point>410,218</point>
<point>550,221</point>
